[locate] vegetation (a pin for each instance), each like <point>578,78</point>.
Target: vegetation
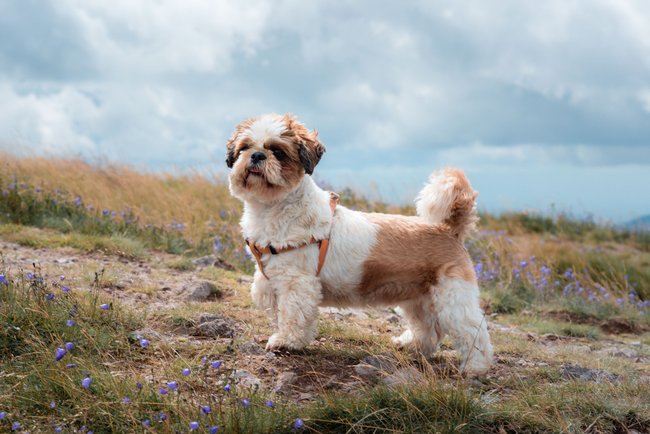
<point>84,348</point>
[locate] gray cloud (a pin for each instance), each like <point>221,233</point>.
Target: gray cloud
<point>413,85</point>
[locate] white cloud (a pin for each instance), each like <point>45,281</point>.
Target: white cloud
<point>162,83</point>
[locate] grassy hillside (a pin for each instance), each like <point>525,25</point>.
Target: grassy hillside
<point>118,252</point>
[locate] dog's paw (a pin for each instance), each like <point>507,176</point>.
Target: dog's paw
<point>404,340</point>
<point>278,342</point>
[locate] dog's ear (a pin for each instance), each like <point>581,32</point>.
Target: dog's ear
<point>311,150</point>
<point>230,145</point>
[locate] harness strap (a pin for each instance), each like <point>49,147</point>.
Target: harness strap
<point>323,245</point>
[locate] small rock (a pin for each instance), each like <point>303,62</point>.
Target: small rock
<point>204,261</point>
<point>220,263</point>
<point>384,362</point>
<point>203,290</point>
<point>285,379</point>
<point>393,319</point>
<point>165,288</point>
<point>627,353</point>
<point>403,376</point>
<point>305,396</point>
<point>244,279</point>
<point>550,337</point>
<point>270,355</point>
<point>366,371</point>
<point>244,378</point>
<point>147,333</point>
<point>251,347</point>
<point>574,372</point>
<point>211,325</point>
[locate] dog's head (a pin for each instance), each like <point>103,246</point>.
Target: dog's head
<point>269,155</point>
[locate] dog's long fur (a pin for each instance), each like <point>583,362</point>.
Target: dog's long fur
<point>417,263</point>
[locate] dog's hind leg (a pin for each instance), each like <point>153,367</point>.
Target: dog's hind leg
<point>456,302</point>
<point>423,332</point>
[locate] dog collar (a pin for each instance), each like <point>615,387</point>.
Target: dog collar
<point>258,251</point>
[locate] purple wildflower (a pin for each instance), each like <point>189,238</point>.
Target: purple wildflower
<point>104,306</point>
<point>70,323</point>
<point>194,426</point>
<point>138,385</point>
<point>105,212</point>
<point>214,429</point>
<point>226,387</point>
<point>146,423</point>
<point>69,346</point>
<point>37,190</point>
<point>298,424</point>
<point>144,343</point>
<point>71,365</point>
<point>77,201</point>
<point>245,402</point>
<point>163,391</point>
<point>162,417</point>
<point>30,275</point>
<point>86,382</point>
<point>3,279</point>
<point>15,426</point>
<point>52,404</point>
<point>58,429</point>
<point>65,289</point>
<point>204,359</point>
<point>217,247</point>
<point>172,385</point>
<point>269,403</point>
<point>523,264</point>
<point>60,352</point>
<point>126,400</point>
<point>62,278</point>
<point>49,297</point>
<point>205,409</point>
<point>186,372</point>
<point>216,364</point>
<point>223,214</point>
<point>3,415</point>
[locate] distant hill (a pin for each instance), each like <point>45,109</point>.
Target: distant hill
<point>641,223</point>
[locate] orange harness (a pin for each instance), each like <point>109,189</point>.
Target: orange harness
<point>323,245</point>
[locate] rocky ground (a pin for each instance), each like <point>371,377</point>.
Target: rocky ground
<point>201,303</point>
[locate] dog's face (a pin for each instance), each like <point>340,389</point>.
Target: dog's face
<point>269,155</point>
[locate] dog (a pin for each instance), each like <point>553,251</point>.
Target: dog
<point>313,252</point>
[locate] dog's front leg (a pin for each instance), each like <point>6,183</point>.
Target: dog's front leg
<point>264,298</point>
<point>297,298</point>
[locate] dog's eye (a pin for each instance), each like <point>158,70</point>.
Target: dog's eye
<point>279,154</point>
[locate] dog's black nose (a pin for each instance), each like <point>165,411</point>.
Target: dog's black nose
<point>257,157</point>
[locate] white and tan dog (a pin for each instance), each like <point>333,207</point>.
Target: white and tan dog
<point>417,263</point>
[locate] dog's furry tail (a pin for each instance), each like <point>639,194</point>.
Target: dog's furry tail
<point>448,199</point>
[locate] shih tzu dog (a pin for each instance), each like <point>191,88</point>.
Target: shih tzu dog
<point>312,252</point>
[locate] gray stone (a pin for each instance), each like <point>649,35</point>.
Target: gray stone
<point>244,279</point>
<point>251,347</point>
<point>403,376</point>
<point>384,362</point>
<point>204,261</point>
<point>202,291</point>
<point>285,379</point>
<point>244,378</point>
<point>574,372</point>
<point>627,353</point>
<point>366,371</point>
<point>212,325</point>
<point>147,333</point>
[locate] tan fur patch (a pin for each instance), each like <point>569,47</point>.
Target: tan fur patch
<point>408,257</point>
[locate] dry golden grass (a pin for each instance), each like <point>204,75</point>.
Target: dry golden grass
<point>156,198</point>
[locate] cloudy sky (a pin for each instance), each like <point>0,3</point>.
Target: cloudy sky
<point>546,105</point>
